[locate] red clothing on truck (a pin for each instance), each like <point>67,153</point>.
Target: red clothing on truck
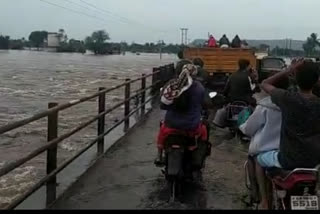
<point>212,42</point>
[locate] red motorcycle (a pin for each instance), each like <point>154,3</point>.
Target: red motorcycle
<point>184,158</point>
<point>292,190</point>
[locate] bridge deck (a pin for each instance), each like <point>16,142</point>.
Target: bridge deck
<point>127,179</point>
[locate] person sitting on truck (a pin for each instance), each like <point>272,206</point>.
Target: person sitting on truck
<point>182,62</point>
<point>300,129</point>
<point>212,43</point>
<point>224,41</point>
<point>236,42</point>
<point>238,87</point>
<point>183,98</point>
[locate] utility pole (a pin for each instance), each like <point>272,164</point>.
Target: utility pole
<point>184,36</point>
<point>160,42</point>
<point>290,44</point>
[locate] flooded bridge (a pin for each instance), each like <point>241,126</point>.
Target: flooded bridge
<point>119,172</point>
<point>126,178</point>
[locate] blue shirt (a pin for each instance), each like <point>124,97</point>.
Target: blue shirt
<point>189,119</point>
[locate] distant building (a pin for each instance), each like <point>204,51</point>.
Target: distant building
<point>53,42</point>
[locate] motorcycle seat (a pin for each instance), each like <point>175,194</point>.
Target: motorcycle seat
<point>277,172</point>
<point>287,179</point>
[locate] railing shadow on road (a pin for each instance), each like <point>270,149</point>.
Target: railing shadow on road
<point>159,77</point>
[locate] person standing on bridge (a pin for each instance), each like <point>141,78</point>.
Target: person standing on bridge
<point>183,99</point>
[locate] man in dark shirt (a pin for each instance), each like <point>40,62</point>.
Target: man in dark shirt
<point>182,62</point>
<point>203,75</point>
<point>300,129</point>
<point>238,87</point>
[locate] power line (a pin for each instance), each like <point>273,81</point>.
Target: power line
<point>115,15</point>
<point>86,14</point>
<point>105,11</point>
<point>74,11</point>
<point>87,8</point>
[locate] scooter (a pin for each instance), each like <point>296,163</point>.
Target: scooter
<point>230,115</point>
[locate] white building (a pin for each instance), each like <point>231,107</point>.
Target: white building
<point>53,41</point>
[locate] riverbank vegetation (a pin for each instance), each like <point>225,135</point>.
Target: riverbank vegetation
<point>98,43</point>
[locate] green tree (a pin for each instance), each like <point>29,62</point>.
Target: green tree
<point>97,42</point>
<point>4,42</point>
<point>17,44</point>
<point>37,38</point>
<point>310,45</point>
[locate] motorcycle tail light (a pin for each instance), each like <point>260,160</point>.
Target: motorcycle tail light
<point>281,193</point>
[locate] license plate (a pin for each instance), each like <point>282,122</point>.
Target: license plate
<point>304,203</point>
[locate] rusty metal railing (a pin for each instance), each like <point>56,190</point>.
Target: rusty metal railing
<point>159,77</point>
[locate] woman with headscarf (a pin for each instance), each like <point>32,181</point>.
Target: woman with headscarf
<point>182,98</point>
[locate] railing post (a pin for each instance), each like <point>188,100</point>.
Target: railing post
<point>162,76</point>
<point>143,94</point>
<point>167,73</point>
<point>101,120</point>
<point>154,79</point>
<point>172,72</point>
<point>127,105</point>
<point>52,133</point>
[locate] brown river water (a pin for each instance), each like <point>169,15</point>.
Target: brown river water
<point>31,79</point>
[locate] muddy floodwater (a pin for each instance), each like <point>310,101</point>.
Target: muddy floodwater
<point>31,79</point>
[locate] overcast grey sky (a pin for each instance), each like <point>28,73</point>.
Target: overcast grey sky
<point>151,20</point>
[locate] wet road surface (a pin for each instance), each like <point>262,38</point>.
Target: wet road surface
<point>127,179</point>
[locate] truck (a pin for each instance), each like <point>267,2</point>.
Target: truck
<point>220,63</point>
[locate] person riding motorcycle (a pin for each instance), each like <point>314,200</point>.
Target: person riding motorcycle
<point>239,85</point>
<point>263,127</point>
<point>300,129</point>
<point>183,98</point>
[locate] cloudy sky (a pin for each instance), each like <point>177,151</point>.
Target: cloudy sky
<point>151,20</point>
